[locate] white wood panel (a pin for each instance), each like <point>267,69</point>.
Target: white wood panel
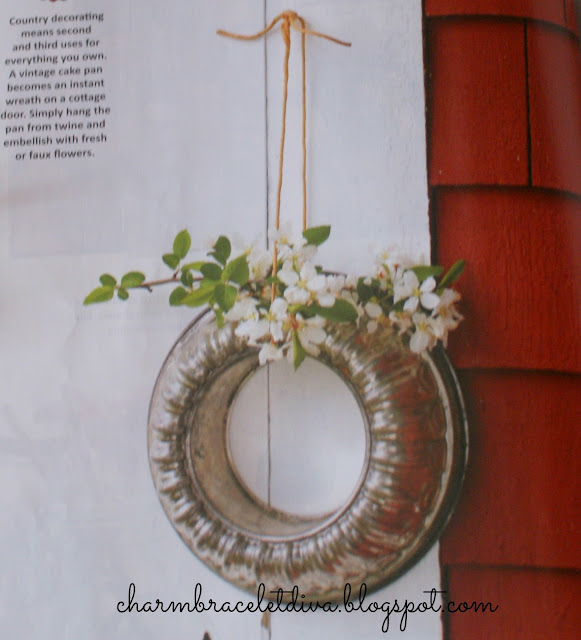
<point>367,178</point>
<point>186,147</point>
<point>80,516</point>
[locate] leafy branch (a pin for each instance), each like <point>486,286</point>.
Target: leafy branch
<point>286,313</point>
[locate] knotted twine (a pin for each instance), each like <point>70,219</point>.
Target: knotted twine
<point>289,20</point>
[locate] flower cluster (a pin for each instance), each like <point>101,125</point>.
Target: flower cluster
<point>286,308</point>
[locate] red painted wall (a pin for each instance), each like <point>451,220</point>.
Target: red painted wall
<point>504,162</point>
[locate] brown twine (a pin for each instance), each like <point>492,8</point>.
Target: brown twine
<point>289,20</point>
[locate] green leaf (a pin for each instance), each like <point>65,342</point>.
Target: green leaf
<point>225,296</point>
<point>107,280</point>
<point>193,266</point>
<point>198,297</point>
<point>454,272</point>
<point>176,296</point>
<point>364,291</point>
<point>211,270</point>
<point>222,250</point>
<point>182,244</point>
<point>187,279</point>
<point>219,318</point>
<point>100,294</point>
<point>171,260</point>
<point>399,305</point>
<point>425,271</point>
<point>341,311</point>
<point>299,353</point>
<point>317,235</point>
<point>237,271</point>
<point>122,293</point>
<point>132,279</point>
<point>307,311</point>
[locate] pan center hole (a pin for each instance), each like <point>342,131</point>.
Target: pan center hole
<point>297,440</point>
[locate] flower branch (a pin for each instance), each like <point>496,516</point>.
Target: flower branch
<point>287,314</point>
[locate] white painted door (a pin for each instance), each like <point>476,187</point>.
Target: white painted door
<point>191,139</point>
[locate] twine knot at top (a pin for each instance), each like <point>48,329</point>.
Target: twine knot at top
<point>289,19</point>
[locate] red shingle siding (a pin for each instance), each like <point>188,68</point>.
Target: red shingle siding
<point>532,605</point>
<point>555,108</point>
<point>520,504</point>
<point>522,299</point>
<point>553,11</point>
<point>504,163</point>
<point>571,16</point>
<point>477,96</point>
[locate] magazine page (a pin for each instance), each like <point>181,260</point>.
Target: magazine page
<point>122,124</point>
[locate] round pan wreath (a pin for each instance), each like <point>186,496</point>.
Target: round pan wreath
<point>382,333</point>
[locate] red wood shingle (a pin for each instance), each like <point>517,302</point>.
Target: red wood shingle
<point>548,10</point>
<point>571,15</point>
<point>532,605</point>
<point>520,502</point>
<point>477,103</point>
<point>555,108</point>
<point>522,282</point>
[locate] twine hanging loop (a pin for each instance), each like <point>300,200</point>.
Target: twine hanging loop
<point>289,20</point>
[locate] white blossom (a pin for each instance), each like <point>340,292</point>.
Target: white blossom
<point>269,352</point>
<point>311,333</point>
<point>402,320</point>
<point>253,330</point>
<point>259,263</point>
<point>408,286</point>
<point>243,309</point>
<point>445,316</point>
<point>373,310</point>
<point>423,337</point>
<point>288,274</point>
<point>351,281</point>
<point>278,318</point>
<point>309,285</point>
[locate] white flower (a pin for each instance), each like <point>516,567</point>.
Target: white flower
<point>297,295</point>
<point>287,274</point>
<point>303,253</point>
<point>311,333</point>
<point>423,337</point>
<point>278,309</point>
<point>259,263</point>
<point>269,352</point>
<point>335,283</point>
<point>326,299</point>
<point>445,308</point>
<point>351,281</point>
<point>308,285</point>
<point>291,247</point>
<point>253,330</point>
<point>445,316</point>
<point>373,310</point>
<point>371,326</point>
<point>401,320</point>
<point>282,235</point>
<point>334,287</point>
<point>243,309</point>
<point>408,286</point>
<point>393,258</point>
<point>278,319</point>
